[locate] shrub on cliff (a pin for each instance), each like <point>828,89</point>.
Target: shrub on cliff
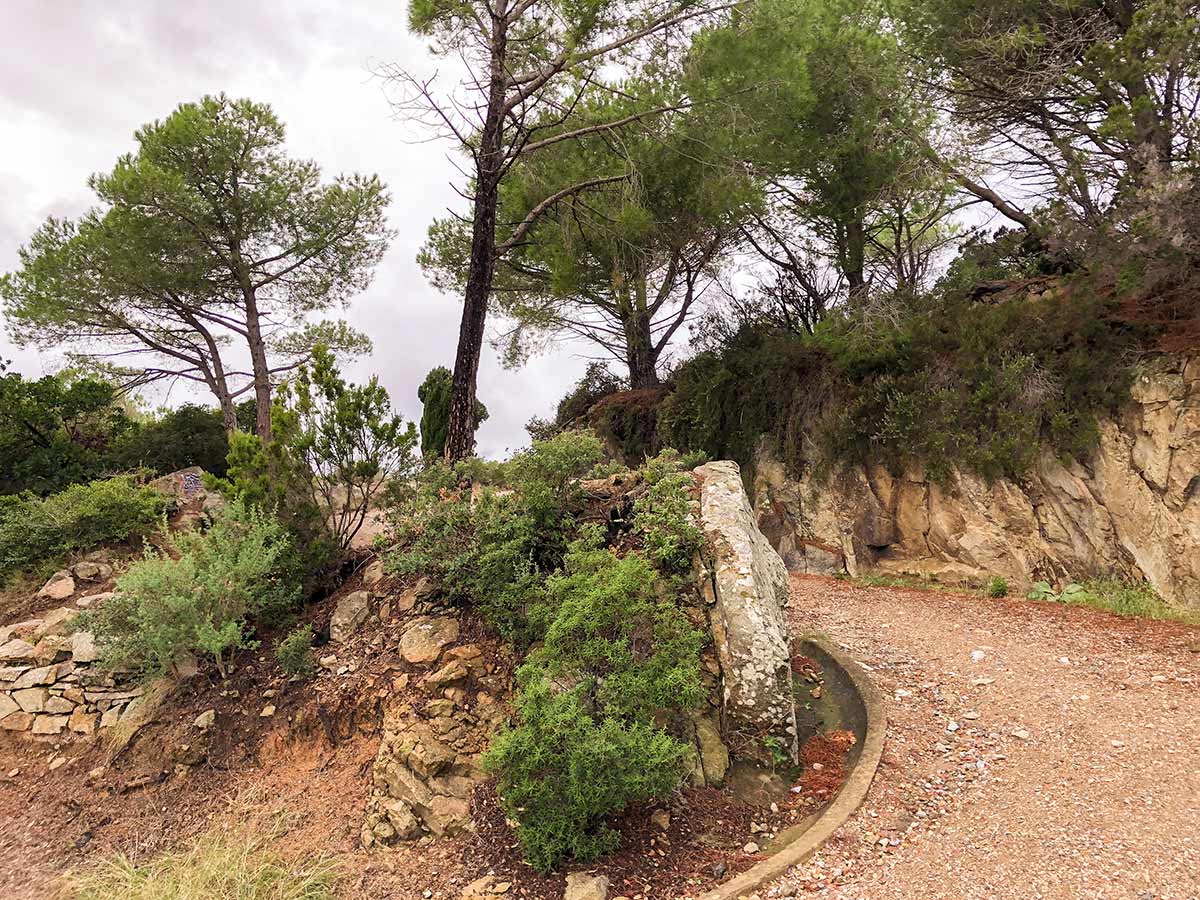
<point>33,530</point>
<point>237,574</point>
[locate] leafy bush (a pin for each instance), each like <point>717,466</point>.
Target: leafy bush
<point>188,436</point>
<point>82,516</point>
<point>996,587</point>
<point>597,382</point>
<point>940,381</point>
<point>663,516</point>
<point>589,741</point>
<point>236,574</point>
<point>294,652</point>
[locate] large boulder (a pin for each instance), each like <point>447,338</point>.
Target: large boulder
<point>750,591</point>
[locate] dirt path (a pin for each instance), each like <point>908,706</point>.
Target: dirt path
<point>1033,751</point>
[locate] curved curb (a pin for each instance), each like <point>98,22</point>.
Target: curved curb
<point>848,799</point>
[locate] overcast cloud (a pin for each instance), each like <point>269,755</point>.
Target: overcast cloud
<point>77,78</point>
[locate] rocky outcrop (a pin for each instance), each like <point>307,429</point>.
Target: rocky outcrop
<point>749,590</point>
<point>1130,510</point>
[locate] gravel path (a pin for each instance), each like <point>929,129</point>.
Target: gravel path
<point>1033,751</point>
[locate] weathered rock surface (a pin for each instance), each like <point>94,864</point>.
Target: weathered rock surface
<point>750,588</point>
<point>1130,510</point>
<point>581,886</point>
<point>60,586</point>
<point>425,639</point>
<point>350,612</point>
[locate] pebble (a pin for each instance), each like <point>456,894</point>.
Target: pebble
<point>267,711</point>
<point>750,848</point>
<point>971,716</point>
<point>978,656</point>
<point>1020,733</point>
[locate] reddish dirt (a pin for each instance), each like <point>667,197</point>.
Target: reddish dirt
<point>1059,764</point>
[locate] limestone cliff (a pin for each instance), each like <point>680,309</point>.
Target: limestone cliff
<point>1129,510</point>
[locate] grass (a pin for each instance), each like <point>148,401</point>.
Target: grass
<point>1127,598</point>
<point>235,862</point>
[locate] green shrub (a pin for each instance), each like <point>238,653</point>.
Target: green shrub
<point>236,574</point>
<point>434,393</point>
<point>996,587</point>
<point>597,382</point>
<point>583,752</point>
<point>294,652</point>
<point>1122,596</point>
<point>176,439</point>
<point>82,516</point>
<point>663,517</point>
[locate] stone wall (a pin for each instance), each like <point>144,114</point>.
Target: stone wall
<point>1130,510</point>
<point>49,685</point>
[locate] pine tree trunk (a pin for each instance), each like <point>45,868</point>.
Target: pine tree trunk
<point>460,435</point>
<point>259,367</point>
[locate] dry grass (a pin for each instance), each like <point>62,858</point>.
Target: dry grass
<point>230,861</point>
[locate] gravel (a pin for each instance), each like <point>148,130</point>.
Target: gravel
<point>1033,751</point>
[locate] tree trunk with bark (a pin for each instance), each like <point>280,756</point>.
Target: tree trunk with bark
<point>460,434</point>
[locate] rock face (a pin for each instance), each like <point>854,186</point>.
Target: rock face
<point>750,590</point>
<point>1130,510</point>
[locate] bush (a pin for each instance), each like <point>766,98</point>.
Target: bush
<point>78,518</point>
<point>236,574</point>
<point>996,587</point>
<point>294,652</point>
<point>663,516</point>
<point>597,382</point>
<point>434,393</point>
<point>589,740</point>
<point>188,436</point>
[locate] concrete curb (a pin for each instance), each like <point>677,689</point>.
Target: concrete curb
<point>848,799</point>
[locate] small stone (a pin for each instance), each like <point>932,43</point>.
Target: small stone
<point>1118,744</point>
<point>952,727</point>
<point>479,889</point>
<point>57,763</point>
<point>351,611</point>
<point>83,647</point>
<point>1020,733</point>
<point>970,716</point>
<point>205,720</point>
<point>328,662</point>
<point>981,682</point>
<point>13,773</point>
<point>502,888</point>
<point>60,586</point>
<point>978,656</point>
<point>581,886</point>
<point>750,848</point>
<point>719,870</point>
<point>267,711</point>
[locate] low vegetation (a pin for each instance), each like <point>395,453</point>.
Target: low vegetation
<point>34,531</point>
<point>206,600</point>
<point>224,863</point>
<point>1123,596</point>
<point>616,660</point>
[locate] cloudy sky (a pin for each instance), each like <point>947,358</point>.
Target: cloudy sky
<point>77,78</point>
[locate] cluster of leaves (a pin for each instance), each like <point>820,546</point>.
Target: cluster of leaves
<point>241,572</point>
<point>589,740</point>
<point>940,381</point>
<point>1122,596</point>
<point>334,448</point>
<point>616,658</point>
<point>294,652</point>
<point>35,530</point>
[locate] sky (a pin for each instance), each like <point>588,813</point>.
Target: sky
<point>78,78</point>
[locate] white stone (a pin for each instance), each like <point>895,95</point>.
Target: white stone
<point>581,886</point>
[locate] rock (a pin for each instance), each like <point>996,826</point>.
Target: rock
<point>31,700</point>
<point>425,639</point>
<point>16,651</point>
<point>750,633</point>
<point>8,705</point>
<point>17,721</point>
<point>455,670</point>
<point>49,724</point>
<point>351,611</point>
<point>60,586</point>
<point>267,711</point>
<point>581,886</point>
<point>110,717</point>
<point>328,662</point>
<point>82,721</point>
<point>185,665</point>
<point>12,673</point>
<point>712,757</point>
<point>205,720</point>
<point>374,573</point>
<point>83,647</point>
<point>978,656</point>
<point>56,621</point>
<point>42,675</point>
<point>92,571</point>
<point>58,705</point>
<point>661,819</point>
<point>719,869</point>
<point>1021,734</point>
<point>404,824</point>
<point>750,848</point>
<point>91,600</point>
<point>479,889</point>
